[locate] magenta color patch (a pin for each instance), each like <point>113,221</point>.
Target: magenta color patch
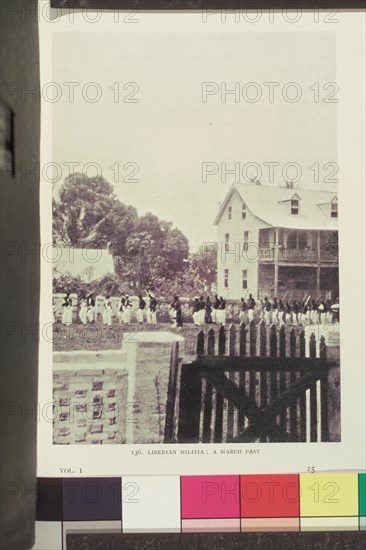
<point>210,497</point>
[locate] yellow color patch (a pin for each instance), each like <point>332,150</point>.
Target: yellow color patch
<point>328,495</point>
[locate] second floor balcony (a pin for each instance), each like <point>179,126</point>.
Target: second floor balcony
<point>327,254</point>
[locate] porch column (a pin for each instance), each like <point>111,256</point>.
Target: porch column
<point>276,263</point>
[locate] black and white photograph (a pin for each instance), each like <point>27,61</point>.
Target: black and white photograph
<point>195,239</point>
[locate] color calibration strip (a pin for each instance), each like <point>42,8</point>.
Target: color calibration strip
<point>198,504</point>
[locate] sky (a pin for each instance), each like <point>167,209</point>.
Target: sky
<point>163,139</point>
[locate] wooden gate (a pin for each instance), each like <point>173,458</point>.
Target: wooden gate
<point>260,386</point>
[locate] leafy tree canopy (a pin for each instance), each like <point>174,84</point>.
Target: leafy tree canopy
<point>87,214</point>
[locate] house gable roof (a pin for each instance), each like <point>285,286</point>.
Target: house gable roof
<point>269,203</point>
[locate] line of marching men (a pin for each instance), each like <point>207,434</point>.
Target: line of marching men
<point>205,310</point>
<point>88,312</point>
<point>306,312</point>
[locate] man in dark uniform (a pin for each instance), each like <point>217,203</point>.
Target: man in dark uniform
<point>178,308</point>
<point>140,311</point>
<point>251,306</point>
<point>243,311</point>
<point>152,307</point>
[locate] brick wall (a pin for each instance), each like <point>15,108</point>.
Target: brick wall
<point>111,397</point>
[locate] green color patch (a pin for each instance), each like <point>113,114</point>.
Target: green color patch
<point>362,486</point>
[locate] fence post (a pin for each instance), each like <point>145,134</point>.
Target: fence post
<point>252,339</point>
<point>263,339</point>
<point>283,376</point>
<point>189,405</point>
<point>302,343</point>
<point>201,343</point>
<point>312,346</point>
<point>172,394</point>
<point>232,339</point>
<point>230,406</point>
<point>211,342</point>
<point>322,348</point>
<point>243,339</point>
<point>273,341</point>
<point>242,352</point>
<point>222,340</point>
<point>273,353</point>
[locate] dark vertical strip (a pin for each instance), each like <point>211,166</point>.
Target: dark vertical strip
<point>201,343</point>
<point>313,414</point>
<point>273,353</point>
<point>312,346</point>
<point>293,406</point>
<point>230,406</point>
<point>222,341</point>
<point>211,342</point>
<point>252,352</point>
<point>189,405</point>
<point>172,393</point>
<point>324,388</point>
<point>243,339</point>
<point>263,374</point>
<point>219,418</point>
<point>303,417</point>
<point>207,413</point>
<point>302,344</point>
<point>283,383</point>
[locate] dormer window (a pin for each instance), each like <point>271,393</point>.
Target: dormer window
<point>230,213</point>
<point>244,211</point>
<point>334,208</point>
<point>295,206</point>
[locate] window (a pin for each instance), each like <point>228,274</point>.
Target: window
<point>294,206</point>
<point>97,386</point>
<point>334,209</point>
<point>80,393</point>
<point>111,393</point>
<point>244,211</point>
<point>226,278</point>
<point>292,240</point>
<point>246,240</point>
<point>227,242</point>
<point>230,213</point>
<point>245,279</point>
<point>302,241</point>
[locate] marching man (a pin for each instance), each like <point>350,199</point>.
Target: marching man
<point>140,311</point>
<point>90,302</point>
<point>152,310</point>
<point>67,310</point>
<point>107,313</point>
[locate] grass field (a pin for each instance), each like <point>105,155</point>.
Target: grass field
<point>95,337</point>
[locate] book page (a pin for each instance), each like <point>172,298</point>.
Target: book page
<point>202,192</point>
